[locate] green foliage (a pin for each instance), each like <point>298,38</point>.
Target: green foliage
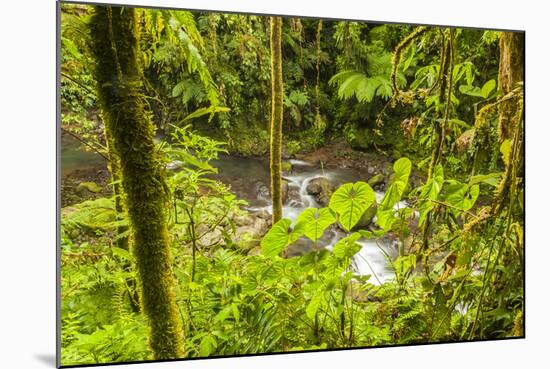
<point>347,247</point>
<point>244,296</point>
<point>402,170</point>
<point>315,222</point>
<point>350,201</point>
<point>278,237</point>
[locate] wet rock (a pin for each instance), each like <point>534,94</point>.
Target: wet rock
<point>304,245</point>
<point>249,234</point>
<point>210,237</point>
<point>321,189</point>
<point>284,190</point>
<point>300,247</point>
<point>262,191</point>
<point>293,196</point>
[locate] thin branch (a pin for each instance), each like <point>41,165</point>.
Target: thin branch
<point>81,140</point>
<point>78,83</point>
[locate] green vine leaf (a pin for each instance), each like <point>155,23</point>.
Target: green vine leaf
<point>350,201</point>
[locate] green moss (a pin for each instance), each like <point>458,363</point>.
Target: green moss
<point>115,40</point>
<point>275,149</point>
<point>89,186</point>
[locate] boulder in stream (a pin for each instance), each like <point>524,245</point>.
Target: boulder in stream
<point>321,189</point>
<point>251,228</point>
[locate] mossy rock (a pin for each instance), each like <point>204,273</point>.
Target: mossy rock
<point>89,186</point>
<point>321,189</point>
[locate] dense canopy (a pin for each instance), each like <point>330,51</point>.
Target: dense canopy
<point>236,184</point>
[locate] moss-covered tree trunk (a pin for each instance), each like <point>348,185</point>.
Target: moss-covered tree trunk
<point>115,45</point>
<point>114,168</point>
<point>275,148</point>
<point>510,72</point>
<point>510,114</point>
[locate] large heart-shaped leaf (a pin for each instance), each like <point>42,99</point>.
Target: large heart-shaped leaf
<point>280,236</point>
<point>460,195</point>
<point>350,201</point>
<point>315,221</point>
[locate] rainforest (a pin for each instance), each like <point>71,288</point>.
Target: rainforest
<point>239,184</point>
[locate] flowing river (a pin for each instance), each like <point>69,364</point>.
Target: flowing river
<point>249,180</point>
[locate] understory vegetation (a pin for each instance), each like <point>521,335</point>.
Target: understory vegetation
<point>162,257</point>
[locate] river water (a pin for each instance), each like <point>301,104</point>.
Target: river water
<point>249,180</point>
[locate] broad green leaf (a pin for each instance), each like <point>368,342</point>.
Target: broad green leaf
<point>432,188</point>
<point>278,237</point>
<point>315,221</point>
<point>384,214</point>
<point>470,90</point>
<point>314,304</point>
<point>460,195</point>
<point>506,150</point>
<point>402,170</point>
<point>487,88</point>
<point>207,345</point>
<point>347,247</point>
<point>471,198</point>
<point>350,201</point>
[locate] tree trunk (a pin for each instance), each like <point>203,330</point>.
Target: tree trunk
<point>115,45</point>
<point>276,117</point>
<point>510,72</point>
